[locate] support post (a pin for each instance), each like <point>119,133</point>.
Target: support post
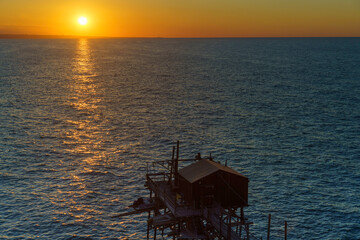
<point>172,164</point>
<point>176,164</point>
<point>237,225</point>
<point>247,231</point>
<point>178,230</point>
<point>242,215</point>
<point>220,223</point>
<point>240,231</point>
<point>148,227</point>
<point>147,231</point>
<point>173,229</point>
<point>229,224</point>
<point>268,230</point>
<point>285,230</point>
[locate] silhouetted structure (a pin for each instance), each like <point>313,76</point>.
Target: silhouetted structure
<point>203,200</point>
<point>206,181</point>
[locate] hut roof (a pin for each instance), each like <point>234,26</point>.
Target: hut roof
<point>203,168</point>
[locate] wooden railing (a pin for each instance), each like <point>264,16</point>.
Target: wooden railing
<point>163,193</point>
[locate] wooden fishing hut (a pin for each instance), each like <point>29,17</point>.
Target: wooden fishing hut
<point>202,200</point>
<point>206,181</point>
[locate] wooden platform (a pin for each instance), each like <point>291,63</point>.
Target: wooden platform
<point>164,192</point>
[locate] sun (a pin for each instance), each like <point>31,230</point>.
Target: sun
<point>82,20</point>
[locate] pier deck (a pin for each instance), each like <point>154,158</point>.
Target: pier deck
<point>164,192</point>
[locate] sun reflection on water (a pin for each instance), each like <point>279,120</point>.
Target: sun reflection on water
<point>84,139</point>
<point>85,87</point>
<point>85,135</point>
<point>91,172</point>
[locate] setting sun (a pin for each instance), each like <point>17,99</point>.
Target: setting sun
<point>82,20</point>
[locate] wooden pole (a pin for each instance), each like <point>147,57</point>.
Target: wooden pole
<point>247,231</point>
<point>178,230</point>
<point>173,153</point>
<point>220,222</point>
<point>268,230</point>
<point>285,230</point>
<point>240,231</point>
<point>176,163</point>
<point>237,225</point>
<point>242,215</point>
<point>229,224</point>
<point>148,230</point>
<point>172,164</point>
<point>148,225</point>
<point>173,229</point>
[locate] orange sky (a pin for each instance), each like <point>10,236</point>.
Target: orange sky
<point>183,18</point>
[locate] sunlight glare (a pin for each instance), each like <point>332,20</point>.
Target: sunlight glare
<point>82,20</point>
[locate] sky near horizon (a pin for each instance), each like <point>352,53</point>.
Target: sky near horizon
<point>183,18</point>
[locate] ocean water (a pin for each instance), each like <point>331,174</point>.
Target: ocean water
<point>80,118</point>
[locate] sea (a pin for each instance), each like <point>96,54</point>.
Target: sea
<point>80,119</point>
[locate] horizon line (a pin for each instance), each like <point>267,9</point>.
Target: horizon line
<point>41,36</point>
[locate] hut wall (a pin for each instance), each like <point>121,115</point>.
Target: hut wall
<point>233,193</point>
<point>185,189</point>
<point>224,192</point>
<point>240,185</point>
<point>213,187</point>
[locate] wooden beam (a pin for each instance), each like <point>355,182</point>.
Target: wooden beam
<point>268,229</point>
<point>177,164</point>
<point>133,212</point>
